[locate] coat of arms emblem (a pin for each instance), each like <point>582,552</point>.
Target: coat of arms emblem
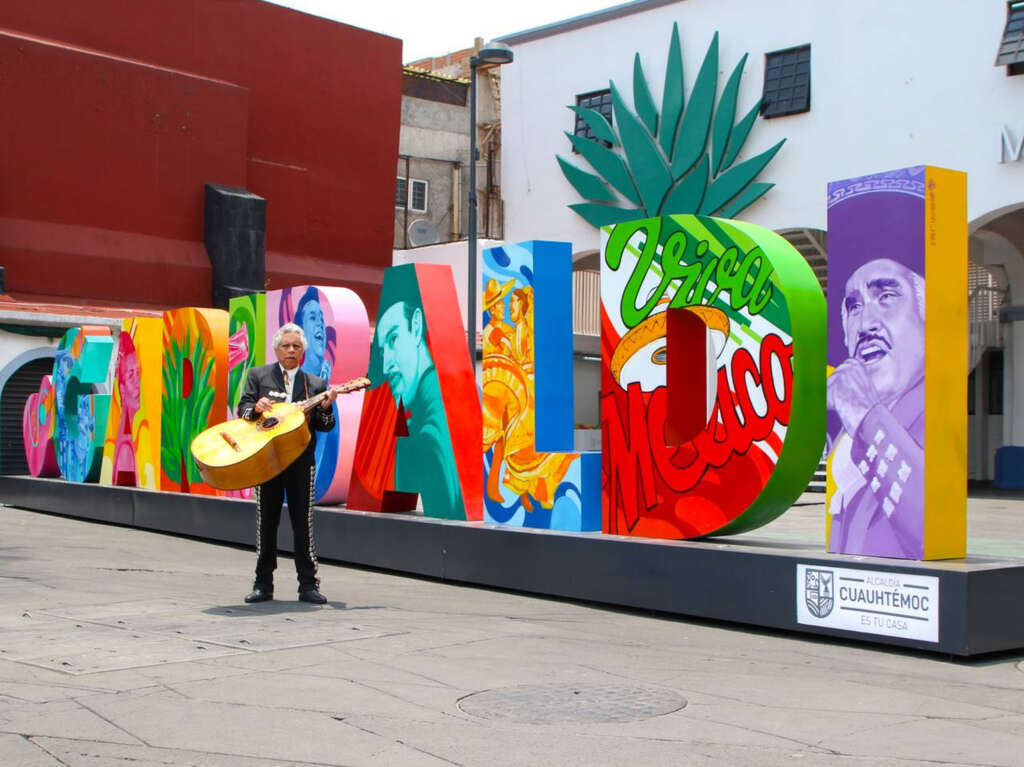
<point>818,593</point>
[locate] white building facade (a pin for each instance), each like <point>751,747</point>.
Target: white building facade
<point>891,85</point>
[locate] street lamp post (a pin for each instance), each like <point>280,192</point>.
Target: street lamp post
<point>492,54</point>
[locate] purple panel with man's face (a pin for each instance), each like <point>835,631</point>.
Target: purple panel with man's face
<point>876,334</point>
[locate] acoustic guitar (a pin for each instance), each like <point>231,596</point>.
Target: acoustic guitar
<point>239,453</point>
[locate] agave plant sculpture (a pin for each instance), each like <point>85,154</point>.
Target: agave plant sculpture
<point>666,166</point>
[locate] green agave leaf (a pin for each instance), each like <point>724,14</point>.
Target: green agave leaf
<point>650,171</point>
<point>642,100</point>
<point>739,136</point>
<point>170,465</point>
<point>724,116</point>
<point>749,195</point>
<point>597,124</point>
<point>730,183</point>
<point>589,186</point>
<point>693,134</point>
<point>599,215</point>
<point>674,94</point>
<point>610,165</point>
<point>687,194</point>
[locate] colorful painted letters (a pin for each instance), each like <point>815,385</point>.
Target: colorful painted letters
<point>131,452</point>
<point>764,314</point>
<point>712,398</point>
<point>81,400</point>
<point>336,327</point>
<point>897,463</point>
<point>420,427</point>
<point>533,479</point>
<point>38,424</point>
<point>194,393</point>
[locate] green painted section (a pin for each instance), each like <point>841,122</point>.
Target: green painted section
<point>248,312</point>
<point>805,435</point>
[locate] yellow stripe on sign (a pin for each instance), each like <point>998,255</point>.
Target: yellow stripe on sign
<point>945,379</point>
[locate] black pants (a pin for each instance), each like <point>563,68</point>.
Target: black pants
<point>297,481</point>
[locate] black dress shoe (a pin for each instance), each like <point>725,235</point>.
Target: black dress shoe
<point>312,596</point>
<point>259,594</point>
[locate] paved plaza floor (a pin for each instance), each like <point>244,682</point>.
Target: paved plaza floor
<point>130,648</point>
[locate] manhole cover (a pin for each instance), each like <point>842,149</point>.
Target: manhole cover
<point>548,704</point>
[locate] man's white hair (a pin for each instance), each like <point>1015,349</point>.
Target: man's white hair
<point>289,327</point>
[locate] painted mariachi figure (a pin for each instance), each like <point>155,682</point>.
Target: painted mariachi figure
<point>509,407</point>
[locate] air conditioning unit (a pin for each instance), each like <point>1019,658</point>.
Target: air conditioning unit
<point>422,232</point>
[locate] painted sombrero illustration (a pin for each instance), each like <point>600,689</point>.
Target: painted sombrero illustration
<point>493,292</point>
<point>644,346</point>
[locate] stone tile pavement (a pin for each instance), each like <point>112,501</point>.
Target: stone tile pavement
<point>129,648</point>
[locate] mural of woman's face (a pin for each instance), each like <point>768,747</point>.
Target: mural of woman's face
<point>515,308</point>
<point>312,322</point>
<point>128,380</point>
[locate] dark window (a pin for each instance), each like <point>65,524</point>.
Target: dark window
<point>787,82</point>
<point>400,193</point>
<point>599,101</point>
<point>995,382</point>
<point>1011,47</point>
<point>972,390</point>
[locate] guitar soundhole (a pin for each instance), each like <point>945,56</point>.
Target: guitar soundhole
<point>268,423</point>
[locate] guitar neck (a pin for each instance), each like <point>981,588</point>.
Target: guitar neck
<point>356,384</point>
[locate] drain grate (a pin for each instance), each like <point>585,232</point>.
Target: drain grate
<point>550,704</point>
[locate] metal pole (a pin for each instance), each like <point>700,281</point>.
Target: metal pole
<point>471,234</point>
<point>405,205</point>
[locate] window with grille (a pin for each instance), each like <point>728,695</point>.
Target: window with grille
<point>416,189</point>
<point>599,101</point>
<point>1011,47</point>
<point>787,82</point>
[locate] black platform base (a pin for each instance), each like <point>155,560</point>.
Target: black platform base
<point>959,607</point>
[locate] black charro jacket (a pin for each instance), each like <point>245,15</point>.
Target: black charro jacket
<point>267,381</point>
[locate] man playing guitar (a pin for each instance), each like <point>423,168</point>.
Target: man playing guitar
<point>284,381</point>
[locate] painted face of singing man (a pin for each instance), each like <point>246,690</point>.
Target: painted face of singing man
<point>883,325</point>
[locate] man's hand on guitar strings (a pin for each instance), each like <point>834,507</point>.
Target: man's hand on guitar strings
<point>332,394</point>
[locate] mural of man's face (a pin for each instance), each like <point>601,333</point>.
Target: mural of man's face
<point>312,322</point>
<point>400,340</point>
<point>883,325</point>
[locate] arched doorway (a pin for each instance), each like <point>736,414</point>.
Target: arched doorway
<point>996,316</point>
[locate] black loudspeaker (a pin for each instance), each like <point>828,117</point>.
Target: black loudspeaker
<point>235,235</point>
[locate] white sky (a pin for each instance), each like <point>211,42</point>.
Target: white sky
<point>436,27</point>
